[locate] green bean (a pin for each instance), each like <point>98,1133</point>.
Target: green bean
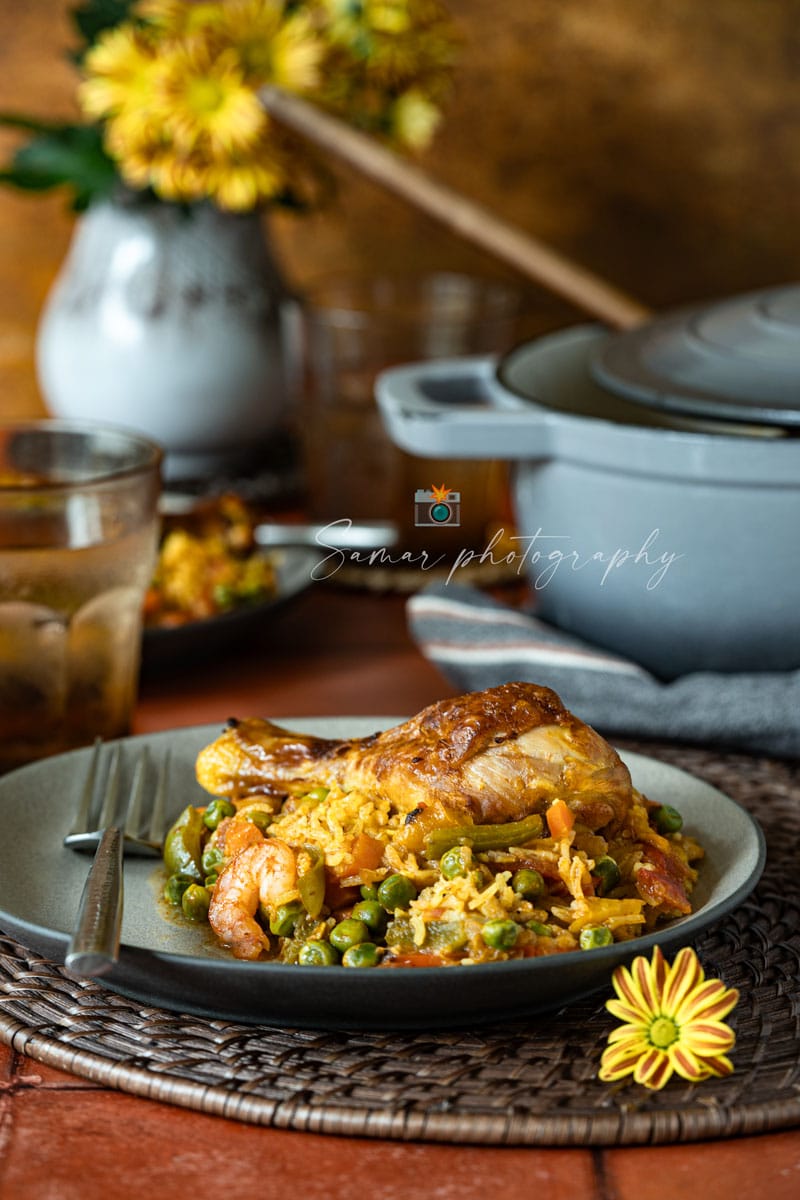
<point>195,902</point>
<point>483,837</point>
<point>365,954</point>
<point>175,886</point>
<point>500,934</point>
<point>667,819</point>
<point>317,953</point>
<point>527,883</point>
<point>182,854</point>
<point>284,919</point>
<point>396,891</point>
<point>311,884</point>
<point>594,936</point>
<point>441,937</point>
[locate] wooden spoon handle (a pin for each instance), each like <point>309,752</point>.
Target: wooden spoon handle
<point>529,256</point>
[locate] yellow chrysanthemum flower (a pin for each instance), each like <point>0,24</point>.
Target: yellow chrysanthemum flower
<point>242,186</point>
<point>177,17</point>
<point>672,1022</point>
<point>121,69</point>
<point>204,99</point>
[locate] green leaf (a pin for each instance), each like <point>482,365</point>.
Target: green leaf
<point>93,17</point>
<point>31,124</point>
<point>69,155</point>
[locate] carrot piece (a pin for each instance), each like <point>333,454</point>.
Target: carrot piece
<point>560,819</point>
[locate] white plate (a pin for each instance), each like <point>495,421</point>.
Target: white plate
<point>179,967</point>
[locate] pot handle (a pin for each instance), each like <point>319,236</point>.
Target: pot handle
<point>455,408</point>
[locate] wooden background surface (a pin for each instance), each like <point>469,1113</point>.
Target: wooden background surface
<point>656,140</point>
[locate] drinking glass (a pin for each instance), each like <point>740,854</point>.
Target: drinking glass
<point>78,541</point>
<point>352,328</point>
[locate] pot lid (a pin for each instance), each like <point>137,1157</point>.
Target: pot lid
<point>738,360</point>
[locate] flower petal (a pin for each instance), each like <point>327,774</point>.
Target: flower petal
<point>626,1012</point>
<point>627,1031</point>
<point>711,1001</point>
<point>718,1065</point>
<point>618,1060</point>
<point>629,992</point>
<point>644,979</point>
<point>708,1037</point>
<point>684,975</point>
<point>686,1063</point>
<point>660,1076</point>
<point>653,1066</point>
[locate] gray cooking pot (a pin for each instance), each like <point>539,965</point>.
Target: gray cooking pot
<point>673,539</point>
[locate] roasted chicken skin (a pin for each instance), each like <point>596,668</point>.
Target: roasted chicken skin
<point>493,756</point>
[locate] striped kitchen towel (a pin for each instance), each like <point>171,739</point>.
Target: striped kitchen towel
<point>478,642</point>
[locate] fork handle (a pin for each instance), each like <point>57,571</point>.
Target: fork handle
<point>94,946</point>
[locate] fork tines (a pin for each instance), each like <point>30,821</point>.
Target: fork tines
<point>87,828</point>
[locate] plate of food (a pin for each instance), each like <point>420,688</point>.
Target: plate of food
<point>489,858</point>
<point>213,582</point>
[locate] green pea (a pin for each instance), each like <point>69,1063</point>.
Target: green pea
<point>213,858</point>
<point>195,902</point>
<point>317,793</point>
<point>368,892</point>
<point>258,817</point>
<point>347,933</point>
<point>372,914</point>
<point>365,954</point>
<point>594,936</point>
<point>500,934</point>
<point>396,891</point>
<point>175,886</point>
<point>316,953</point>
<point>456,862</point>
<point>284,919</point>
<point>539,929</point>
<point>667,819</point>
<point>216,811</point>
<point>527,883</point>
<point>607,873</point>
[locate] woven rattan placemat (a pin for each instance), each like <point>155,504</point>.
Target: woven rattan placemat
<point>527,1083</point>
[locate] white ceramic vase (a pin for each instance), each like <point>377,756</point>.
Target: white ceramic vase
<point>169,321</point>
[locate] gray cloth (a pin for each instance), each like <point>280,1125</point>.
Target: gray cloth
<point>477,643</point>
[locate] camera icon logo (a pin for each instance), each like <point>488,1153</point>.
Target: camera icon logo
<point>439,506</point>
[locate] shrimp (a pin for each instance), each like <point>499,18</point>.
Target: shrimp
<point>234,834</point>
<point>264,874</point>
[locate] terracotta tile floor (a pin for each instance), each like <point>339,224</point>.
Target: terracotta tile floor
<point>65,1139</point>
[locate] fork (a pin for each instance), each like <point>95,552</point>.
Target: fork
<point>94,946</point>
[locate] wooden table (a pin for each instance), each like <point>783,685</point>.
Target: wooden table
<point>62,1138</point>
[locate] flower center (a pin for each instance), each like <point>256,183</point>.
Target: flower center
<point>663,1032</point>
<point>204,95</point>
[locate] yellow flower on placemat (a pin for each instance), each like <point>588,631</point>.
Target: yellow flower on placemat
<point>672,1022</point>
